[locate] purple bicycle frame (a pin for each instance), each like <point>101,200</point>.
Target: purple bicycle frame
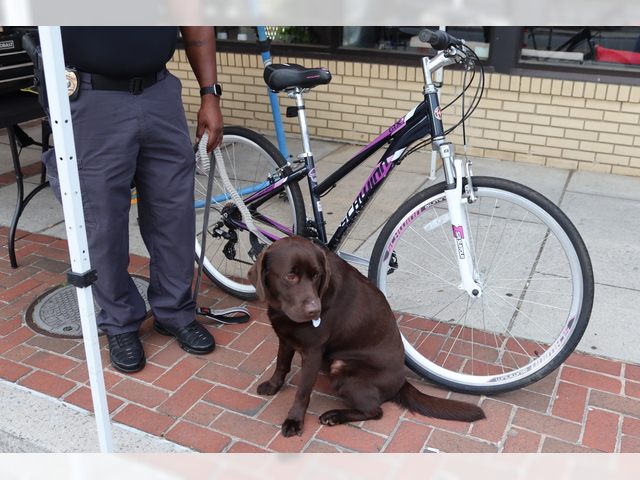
<point>410,128</point>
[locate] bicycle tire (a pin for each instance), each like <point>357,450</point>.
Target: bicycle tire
<point>249,159</point>
<point>535,273</point>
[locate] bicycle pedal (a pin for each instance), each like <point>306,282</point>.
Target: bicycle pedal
<point>257,246</point>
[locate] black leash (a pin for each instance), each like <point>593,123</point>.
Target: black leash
<point>229,315</point>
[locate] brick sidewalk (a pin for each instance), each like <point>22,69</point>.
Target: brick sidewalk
<point>209,403</point>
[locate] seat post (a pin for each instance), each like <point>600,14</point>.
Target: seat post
<point>302,121</point>
<point>307,156</point>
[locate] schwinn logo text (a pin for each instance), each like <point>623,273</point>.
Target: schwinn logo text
<point>458,234</point>
<point>381,171</point>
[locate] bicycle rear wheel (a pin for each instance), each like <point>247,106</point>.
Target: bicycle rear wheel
<point>536,278</point>
<point>252,163</point>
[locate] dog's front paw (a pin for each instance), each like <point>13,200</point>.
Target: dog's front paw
<point>292,427</point>
<point>268,388</point>
<point>331,418</point>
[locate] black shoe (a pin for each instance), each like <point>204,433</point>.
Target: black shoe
<point>126,352</point>
<point>193,338</point>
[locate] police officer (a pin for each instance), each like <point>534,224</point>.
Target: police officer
<point>129,125</point>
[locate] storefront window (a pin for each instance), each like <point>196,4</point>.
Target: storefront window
<point>405,39</point>
<point>606,48</point>
<point>300,35</point>
<point>279,35</point>
<point>548,52</point>
<point>359,40</point>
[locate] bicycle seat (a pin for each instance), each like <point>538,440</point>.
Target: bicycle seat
<point>288,75</point>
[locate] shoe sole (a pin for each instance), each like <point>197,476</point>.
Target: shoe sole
<point>163,331</point>
<point>129,370</point>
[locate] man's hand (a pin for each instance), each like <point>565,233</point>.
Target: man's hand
<point>210,118</point>
<point>200,46</point>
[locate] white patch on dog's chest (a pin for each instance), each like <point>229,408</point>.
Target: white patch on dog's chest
<point>336,367</point>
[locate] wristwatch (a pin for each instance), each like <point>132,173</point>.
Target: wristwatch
<point>216,89</point>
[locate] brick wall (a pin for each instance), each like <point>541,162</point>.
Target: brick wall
<point>560,123</point>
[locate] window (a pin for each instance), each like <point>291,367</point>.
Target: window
<point>601,54</point>
<point>278,35</point>
<point>604,48</point>
<point>405,39</point>
<point>386,45</point>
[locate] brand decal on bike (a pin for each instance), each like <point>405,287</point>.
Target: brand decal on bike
<point>549,353</point>
<point>396,126</point>
<point>378,174</point>
<point>458,234</point>
<point>393,129</point>
<point>312,175</point>
<point>408,221</point>
<point>437,113</point>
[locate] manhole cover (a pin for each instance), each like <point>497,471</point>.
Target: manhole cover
<point>56,312</point>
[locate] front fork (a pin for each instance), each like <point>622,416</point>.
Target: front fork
<point>454,172</point>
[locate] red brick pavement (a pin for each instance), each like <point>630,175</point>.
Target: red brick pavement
<point>209,403</point>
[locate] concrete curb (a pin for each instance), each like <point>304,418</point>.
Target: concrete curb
<point>31,422</point>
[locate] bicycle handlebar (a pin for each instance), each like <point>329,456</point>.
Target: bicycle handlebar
<point>439,40</point>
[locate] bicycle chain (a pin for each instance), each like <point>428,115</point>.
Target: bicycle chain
<point>229,249</point>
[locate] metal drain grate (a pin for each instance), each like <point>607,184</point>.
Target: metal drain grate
<point>56,313</point>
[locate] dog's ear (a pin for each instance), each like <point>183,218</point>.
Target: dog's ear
<point>256,275</point>
<point>326,277</point>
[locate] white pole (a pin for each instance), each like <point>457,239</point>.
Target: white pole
<point>60,118</point>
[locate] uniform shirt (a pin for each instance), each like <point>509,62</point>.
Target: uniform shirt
<point>119,52</point>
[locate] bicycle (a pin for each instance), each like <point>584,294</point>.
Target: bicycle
<point>491,283</point>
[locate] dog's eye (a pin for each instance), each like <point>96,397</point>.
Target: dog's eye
<point>317,275</point>
<point>291,277</point>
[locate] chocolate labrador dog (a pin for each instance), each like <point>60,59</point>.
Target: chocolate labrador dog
<point>328,312</point>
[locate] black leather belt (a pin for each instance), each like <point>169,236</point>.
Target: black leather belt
<point>131,85</point>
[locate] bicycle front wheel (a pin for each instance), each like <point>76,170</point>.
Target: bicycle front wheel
<point>536,279</point>
<point>252,163</point>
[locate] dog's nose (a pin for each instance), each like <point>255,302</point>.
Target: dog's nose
<point>312,309</point>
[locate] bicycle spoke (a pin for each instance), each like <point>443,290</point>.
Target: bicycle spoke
<point>250,161</point>
<point>526,266</point>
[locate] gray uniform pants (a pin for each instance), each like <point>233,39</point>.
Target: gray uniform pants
<point>122,137</point>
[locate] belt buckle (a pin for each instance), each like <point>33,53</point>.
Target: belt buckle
<point>135,86</point>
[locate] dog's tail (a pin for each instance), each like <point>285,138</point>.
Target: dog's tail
<point>412,399</point>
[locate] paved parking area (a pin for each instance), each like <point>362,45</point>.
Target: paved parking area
<point>209,403</point>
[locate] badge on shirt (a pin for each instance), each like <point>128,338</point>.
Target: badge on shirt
<point>73,83</point>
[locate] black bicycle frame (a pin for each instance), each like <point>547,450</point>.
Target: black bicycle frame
<point>415,125</point>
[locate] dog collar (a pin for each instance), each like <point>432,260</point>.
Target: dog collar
<point>316,322</point>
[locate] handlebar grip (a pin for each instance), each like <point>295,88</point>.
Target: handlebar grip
<point>439,40</point>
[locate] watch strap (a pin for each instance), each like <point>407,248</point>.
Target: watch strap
<point>215,89</point>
